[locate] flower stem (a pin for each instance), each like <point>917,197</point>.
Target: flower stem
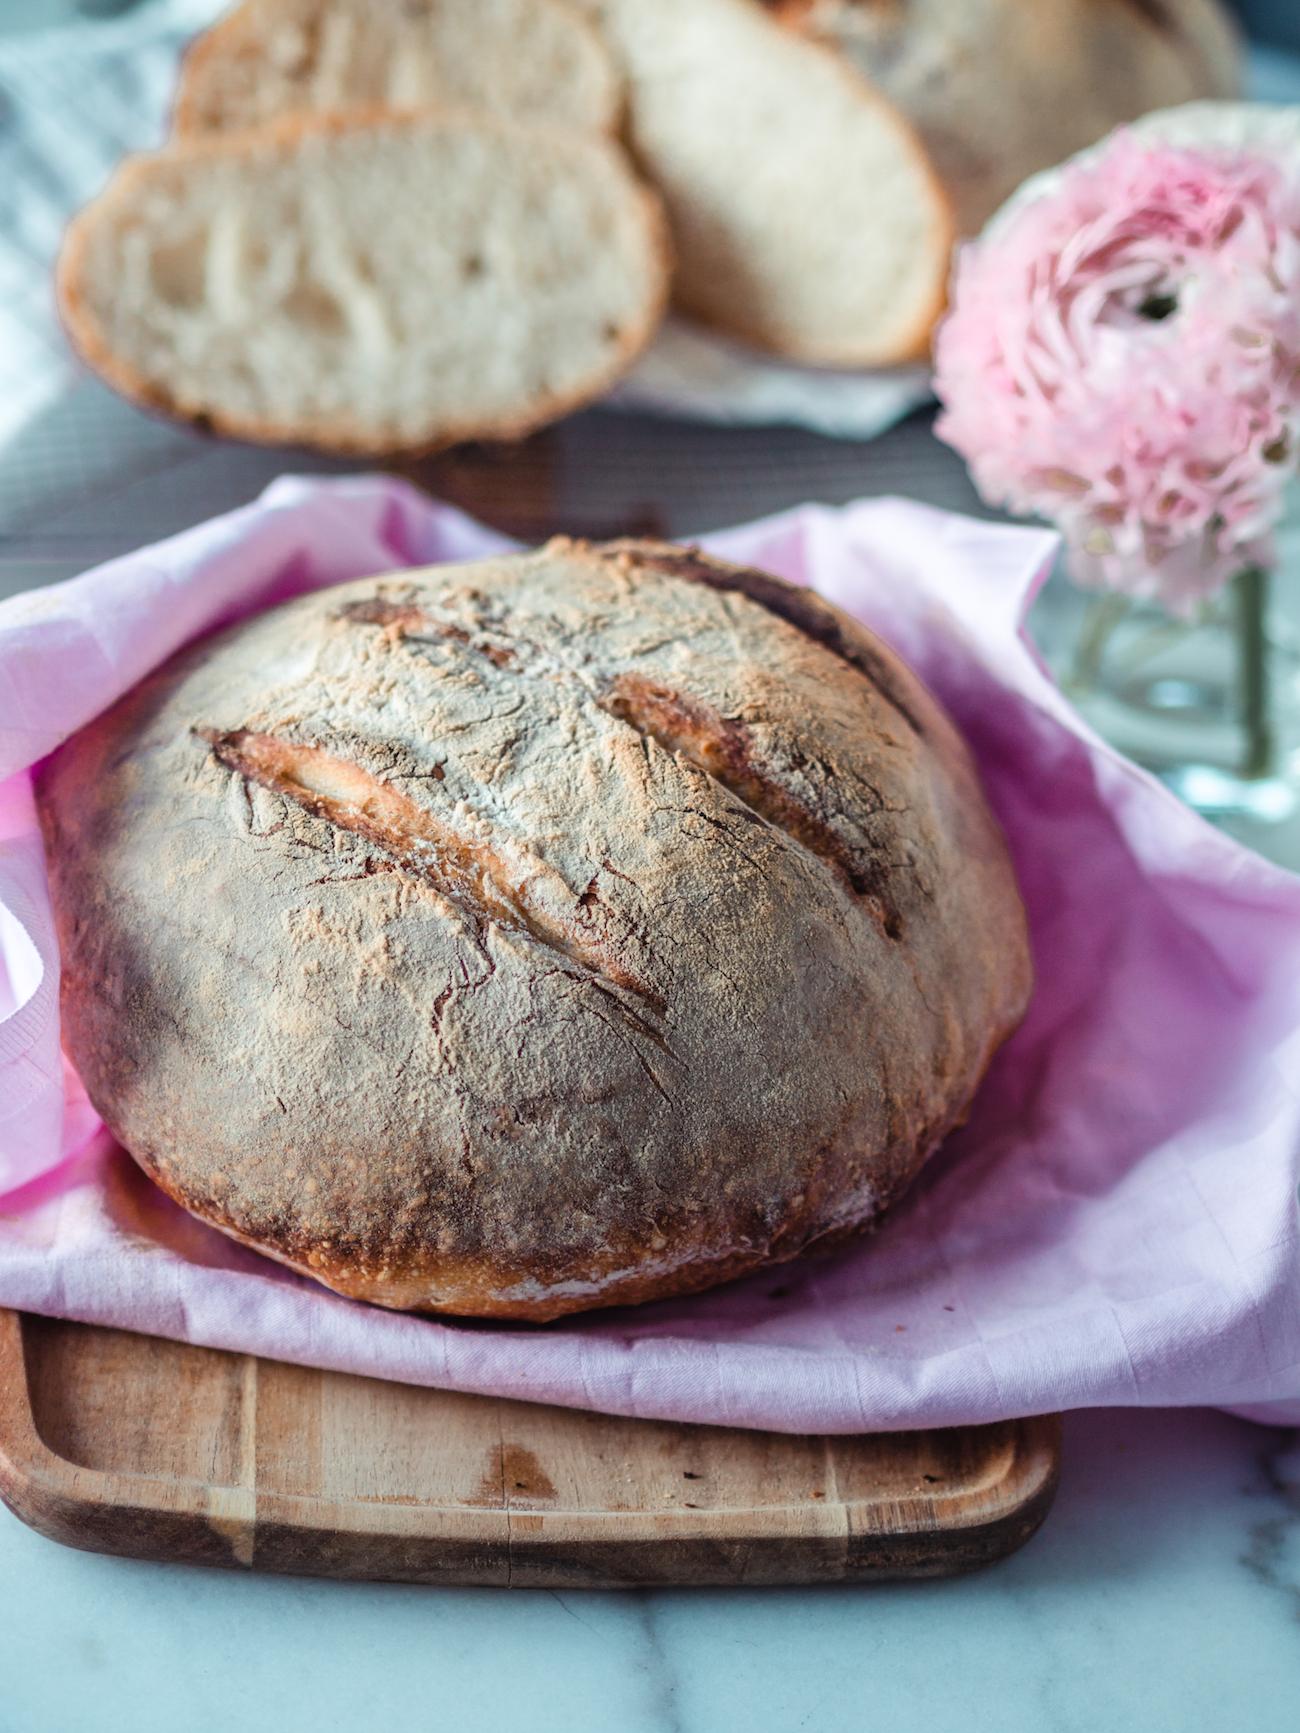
<point>1253,687</point>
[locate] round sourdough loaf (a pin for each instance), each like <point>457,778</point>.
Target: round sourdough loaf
<point>999,89</point>
<point>555,931</point>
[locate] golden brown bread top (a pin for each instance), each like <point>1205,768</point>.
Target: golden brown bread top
<point>512,936</point>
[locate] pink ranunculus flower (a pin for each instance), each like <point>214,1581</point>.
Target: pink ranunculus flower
<point>1122,357</point>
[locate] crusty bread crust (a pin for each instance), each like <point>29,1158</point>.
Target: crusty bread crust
<point>348,438</point>
<point>631,1275</point>
<point>238,31</point>
<point>573,929</point>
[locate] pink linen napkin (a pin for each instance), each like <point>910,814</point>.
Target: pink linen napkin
<point>1116,1225</point>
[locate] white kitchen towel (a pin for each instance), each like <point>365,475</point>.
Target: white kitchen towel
<point>73,99</point>
<point>76,97</point>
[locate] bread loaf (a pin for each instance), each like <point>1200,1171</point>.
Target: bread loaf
<point>999,89</point>
<point>805,215</point>
<point>369,285</point>
<point>555,931</point>
<point>520,59</point>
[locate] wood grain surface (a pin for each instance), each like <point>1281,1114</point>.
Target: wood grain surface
<point>125,1444</point>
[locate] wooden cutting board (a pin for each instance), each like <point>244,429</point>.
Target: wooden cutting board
<point>125,1444</point>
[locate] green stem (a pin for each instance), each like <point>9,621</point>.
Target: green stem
<point>1252,650</point>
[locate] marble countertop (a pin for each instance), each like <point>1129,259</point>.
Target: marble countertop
<point>1161,1596</point>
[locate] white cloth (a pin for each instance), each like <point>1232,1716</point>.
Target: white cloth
<point>73,99</point>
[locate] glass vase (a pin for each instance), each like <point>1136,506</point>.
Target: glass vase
<point>1209,704</point>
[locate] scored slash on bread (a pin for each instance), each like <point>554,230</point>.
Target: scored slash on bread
<point>369,283</point>
<point>459,866</point>
<point>521,59</point>
<point>805,213</point>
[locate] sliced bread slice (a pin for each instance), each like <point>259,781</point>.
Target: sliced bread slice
<point>522,59</point>
<point>369,286</point>
<point>805,214</point>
